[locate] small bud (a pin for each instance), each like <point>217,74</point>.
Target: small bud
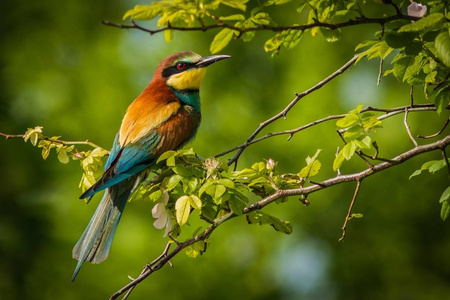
<point>270,165</point>
<point>304,200</point>
<point>417,10</point>
<point>212,166</point>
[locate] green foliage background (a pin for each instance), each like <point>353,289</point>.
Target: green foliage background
<point>61,69</point>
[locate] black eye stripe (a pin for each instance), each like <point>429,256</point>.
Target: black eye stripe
<point>169,71</point>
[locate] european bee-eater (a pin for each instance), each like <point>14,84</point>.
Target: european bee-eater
<point>165,116</point>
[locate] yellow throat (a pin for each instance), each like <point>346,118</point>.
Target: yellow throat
<point>188,80</point>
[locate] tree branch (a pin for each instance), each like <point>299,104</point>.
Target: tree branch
<point>358,177</point>
<point>57,141</point>
<point>274,28</point>
<point>284,112</point>
<point>390,112</point>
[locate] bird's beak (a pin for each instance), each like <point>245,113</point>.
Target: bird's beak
<point>207,60</point>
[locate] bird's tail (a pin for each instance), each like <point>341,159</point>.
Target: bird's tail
<point>95,243</point>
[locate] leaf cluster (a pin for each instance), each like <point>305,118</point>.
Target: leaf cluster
<point>190,187</point>
<point>90,160</point>
<point>432,167</point>
<point>420,52</point>
<point>357,130</point>
<point>320,17</point>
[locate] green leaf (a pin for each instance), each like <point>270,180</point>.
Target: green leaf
<point>445,210</point>
<point>195,249</point>
<point>168,35</point>
<point>237,205</point>
<point>291,38</point>
<point>273,44</point>
<point>330,35</point>
<point>399,40</point>
<point>195,202</point>
<point>203,188</point>
<point>33,134</point>
<point>155,196</point>
<point>313,166</point>
<point>310,170</point>
<point>354,132</point>
<point>404,68</point>
<point>442,46</point>
<point>181,170</point>
<point>166,155</point>
<point>437,166</point>
<point>261,18</point>
<point>237,17</point>
<point>445,195</point>
<point>261,218</point>
<point>183,209</point>
<point>423,23</point>
<point>276,2</point>
<point>356,215</point>
<point>347,121</point>
<point>221,40</point>
<point>62,156</point>
<point>173,182</point>
<point>442,99</point>
<point>366,44</point>
<point>339,159</point>
<point>219,191</point>
<point>226,182</point>
<point>415,173</point>
<point>239,4</point>
<point>348,150</point>
<point>143,12</point>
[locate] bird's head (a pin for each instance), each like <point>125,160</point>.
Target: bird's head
<point>185,70</point>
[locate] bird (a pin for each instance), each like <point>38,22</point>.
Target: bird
<point>165,116</point>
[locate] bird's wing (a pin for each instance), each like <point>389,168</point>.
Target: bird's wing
<point>126,162</point>
<point>138,155</point>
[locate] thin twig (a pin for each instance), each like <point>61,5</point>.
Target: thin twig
<point>9,136</point>
<point>283,113</point>
<point>57,141</point>
<point>380,72</point>
<point>389,113</point>
<point>444,155</point>
<point>344,226</point>
<point>408,130</point>
<point>437,133</point>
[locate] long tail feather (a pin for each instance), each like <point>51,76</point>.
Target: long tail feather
<point>95,243</point>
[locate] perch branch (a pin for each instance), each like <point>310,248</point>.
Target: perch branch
<point>358,177</point>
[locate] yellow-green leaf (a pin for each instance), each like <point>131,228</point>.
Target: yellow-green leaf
<point>62,157</point>
<point>168,35</point>
<point>143,12</point>
<point>442,45</point>
<point>182,208</point>
<point>221,40</point>
<point>195,202</point>
<point>423,23</point>
<point>239,4</point>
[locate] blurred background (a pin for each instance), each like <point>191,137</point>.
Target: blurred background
<point>60,68</point>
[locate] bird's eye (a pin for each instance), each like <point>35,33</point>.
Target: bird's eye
<point>181,66</point>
